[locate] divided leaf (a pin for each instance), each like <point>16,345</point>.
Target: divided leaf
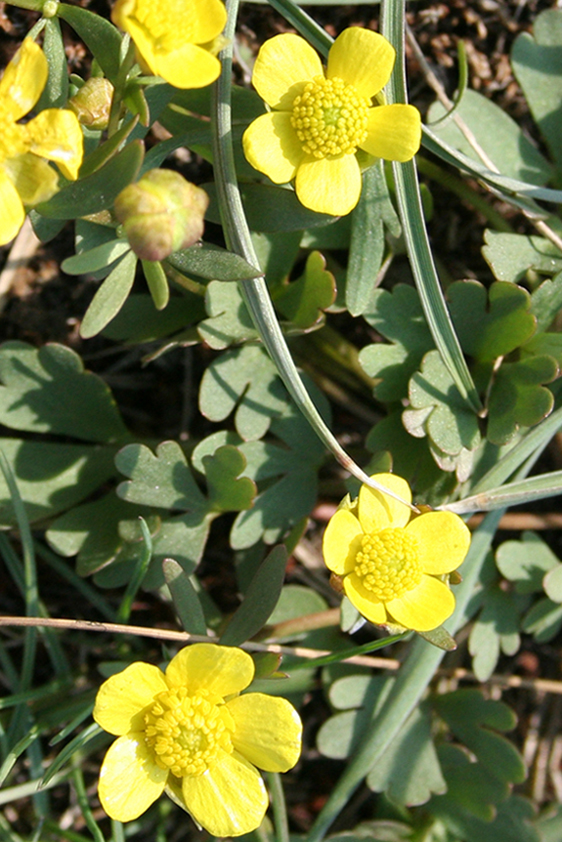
<point>511,256</point>
<point>47,390</point>
<point>398,316</point>
<point>304,300</point>
<point>495,630</point>
<point>229,321</point>
<point>518,397</point>
<point>247,379</point>
<point>439,411</point>
<point>409,772</point>
<point>475,720</point>
<point>487,332</point>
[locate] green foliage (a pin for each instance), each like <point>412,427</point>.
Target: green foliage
<point>493,325</point>
<point>47,390</point>
<point>533,568</point>
<point>497,134</point>
<point>512,256</point>
<point>304,300</point>
<point>537,64</point>
<point>439,412</point>
<point>134,512</point>
<point>419,767</point>
<point>398,316</point>
<point>97,191</point>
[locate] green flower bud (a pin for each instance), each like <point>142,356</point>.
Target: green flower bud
<point>92,103</point>
<point>161,213</point>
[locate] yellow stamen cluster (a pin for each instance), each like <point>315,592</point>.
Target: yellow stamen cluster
<point>167,23</point>
<point>388,563</point>
<point>330,118</point>
<point>187,732</point>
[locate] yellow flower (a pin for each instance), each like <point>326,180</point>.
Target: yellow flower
<point>390,561</point>
<point>319,120</point>
<point>55,134</point>
<point>174,38</point>
<point>188,732</point>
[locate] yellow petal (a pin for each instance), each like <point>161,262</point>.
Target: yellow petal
<point>56,134</point>
<point>228,800</point>
<point>283,66</point>
<point>168,23</point>
<point>13,214</point>
<point>362,58</point>
<point>341,542</point>
<point>377,511</point>
<point>363,600</point>
<point>32,177</point>
<point>272,147</point>
<point>218,669</point>
<point>23,81</point>
<point>393,132</point>
<point>443,541</point>
<point>188,67</point>
<point>424,607</point>
<point>268,731</point>
<point>130,781</point>
<point>121,699</point>
<point>329,185</point>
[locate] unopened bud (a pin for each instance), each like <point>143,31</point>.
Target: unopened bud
<point>161,213</point>
<point>92,103</point>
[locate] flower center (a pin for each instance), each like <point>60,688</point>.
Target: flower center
<point>186,733</point>
<point>388,563</point>
<point>168,23</point>
<point>330,118</point>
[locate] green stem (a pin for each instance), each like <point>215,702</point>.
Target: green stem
<point>461,189</point>
<point>303,23</point>
<point>237,235</point>
<point>415,233</point>
<point>127,62</point>
<point>279,807</point>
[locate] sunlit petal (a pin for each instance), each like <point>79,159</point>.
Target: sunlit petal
<point>56,134</point>
<point>341,542</point>
<point>272,147</point>
<point>329,185</point>
<point>377,510</point>
<point>283,66</point>
<point>122,699</point>
<point>424,607</point>
<point>222,670</point>
<point>130,781</point>
<point>34,179</point>
<point>393,132</point>
<point>268,731</point>
<point>365,602</point>
<point>362,58</point>
<point>188,67</point>
<point>23,80</point>
<point>13,214</point>
<point>443,541</point>
<point>228,800</point>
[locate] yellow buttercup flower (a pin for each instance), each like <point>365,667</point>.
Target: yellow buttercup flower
<point>175,39</point>
<point>393,563</point>
<point>189,733</point>
<point>55,134</point>
<point>319,120</point>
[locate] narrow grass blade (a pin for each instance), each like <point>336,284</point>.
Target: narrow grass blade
<point>512,494</point>
<point>254,291</point>
<point>415,233</point>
